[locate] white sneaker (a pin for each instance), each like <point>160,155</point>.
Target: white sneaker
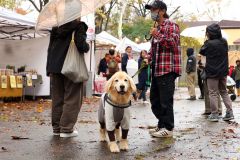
<point>163,133</point>
<point>146,102</point>
<point>153,130</point>
<point>67,135</point>
<point>56,133</point>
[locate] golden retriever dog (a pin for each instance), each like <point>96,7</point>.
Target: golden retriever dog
<point>114,111</point>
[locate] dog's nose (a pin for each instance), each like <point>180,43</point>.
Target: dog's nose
<point>122,87</point>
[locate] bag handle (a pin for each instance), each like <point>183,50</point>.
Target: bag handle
<point>73,36</point>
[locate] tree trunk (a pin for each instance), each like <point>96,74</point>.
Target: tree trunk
<point>122,10</point>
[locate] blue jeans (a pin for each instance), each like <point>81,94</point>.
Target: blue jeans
<point>143,94</point>
<point>237,84</point>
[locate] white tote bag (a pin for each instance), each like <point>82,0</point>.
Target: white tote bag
<point>74,67</point>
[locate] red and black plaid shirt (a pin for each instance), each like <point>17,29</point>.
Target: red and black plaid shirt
<point>165,50</point>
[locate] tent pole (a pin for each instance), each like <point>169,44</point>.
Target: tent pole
<point>91,55</point>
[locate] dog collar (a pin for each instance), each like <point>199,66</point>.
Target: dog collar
<point>109,101</point>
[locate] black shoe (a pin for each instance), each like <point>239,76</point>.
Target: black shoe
<point>192,98</point>
<point>206,113</point>
<point>201,97</point>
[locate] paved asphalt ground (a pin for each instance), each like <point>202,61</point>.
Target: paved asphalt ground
<point>194,137</point>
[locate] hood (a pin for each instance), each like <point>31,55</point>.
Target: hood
<point>190,52</point>
<point>214,31</point>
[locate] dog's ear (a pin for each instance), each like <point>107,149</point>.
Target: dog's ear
<point>109,84</point>
<point>132,84</point>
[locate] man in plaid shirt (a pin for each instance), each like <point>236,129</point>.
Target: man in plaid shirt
<point>165,56</point>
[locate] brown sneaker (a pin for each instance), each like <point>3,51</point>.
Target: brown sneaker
<point>192,98</point>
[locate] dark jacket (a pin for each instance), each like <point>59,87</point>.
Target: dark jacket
<point>216,51</point>
<point>60,39</point>
<point>124,62</point>
<point>142,76</point>
<point>191,61</point>
<point>102,66</point>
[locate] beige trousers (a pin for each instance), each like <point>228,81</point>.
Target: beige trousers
<point>191,79</point>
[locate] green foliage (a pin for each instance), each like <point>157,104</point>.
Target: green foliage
<point>113,24</point>
<point>138,28</point>
<point>10,4</point>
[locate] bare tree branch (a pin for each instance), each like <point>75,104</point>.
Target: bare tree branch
<point>112,3</point>
<point>41,4</point>
<point>35,6</point>
<point>174,11</point>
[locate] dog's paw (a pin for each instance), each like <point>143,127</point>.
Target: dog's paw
<point>103,135</point>
<point>113,147</point>
<point>124,144</point>
<point>118,134</point>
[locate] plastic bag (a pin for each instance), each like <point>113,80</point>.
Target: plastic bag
<point>74,67</point>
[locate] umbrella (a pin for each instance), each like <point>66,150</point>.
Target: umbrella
<point>232,57</point>
<point>59,12</point>
<point>198,32</point>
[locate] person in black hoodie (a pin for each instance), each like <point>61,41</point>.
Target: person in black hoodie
<point>191,73</point>
<point>216,51</point>
<point>102,68</point>
<point>66,95</point>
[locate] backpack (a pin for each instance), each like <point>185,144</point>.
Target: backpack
<point>112,66</point>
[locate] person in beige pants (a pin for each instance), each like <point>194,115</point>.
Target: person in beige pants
<point>191,73</point>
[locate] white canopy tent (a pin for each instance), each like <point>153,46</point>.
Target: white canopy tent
<point>30,48</point>
<point>127,42</point>
<point>15,26</point>
<point>107,38</point>
<point>145,46</point>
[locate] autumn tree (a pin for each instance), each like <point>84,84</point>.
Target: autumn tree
<point>139,7</point>
<point>10,4</point>
<point>39,4</point>
<point>103,16</point>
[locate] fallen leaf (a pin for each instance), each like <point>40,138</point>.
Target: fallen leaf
<point>141,127</point>
<point>18,138</point>
<point>42,123</point>
<point>86,121</point>
<point>231,131</point>
<point>4,149</point>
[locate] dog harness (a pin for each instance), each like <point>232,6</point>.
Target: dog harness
<point>111,114</point>
<point>108,100</point>
<point>118,111</point>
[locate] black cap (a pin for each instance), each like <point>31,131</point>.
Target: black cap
<point>214,31</point>
<point>156,4</point>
